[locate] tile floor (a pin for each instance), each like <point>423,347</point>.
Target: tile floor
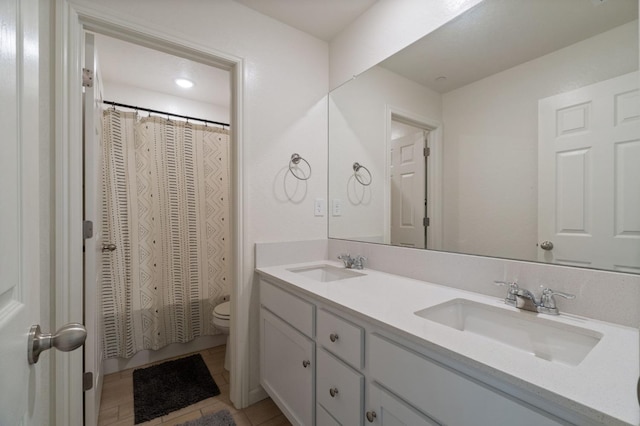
<point>116,408</point>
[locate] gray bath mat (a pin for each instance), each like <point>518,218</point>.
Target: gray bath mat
<point>170,386</point>
<point>220,418</point>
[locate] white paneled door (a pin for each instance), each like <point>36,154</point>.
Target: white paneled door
<point>408,186</point>
<point>589,176</point>
<point>93,252</point>
<point>22,388</point>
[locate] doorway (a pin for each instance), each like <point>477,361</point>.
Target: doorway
<point>408,185</point>
<point>413,196</point>
<point>69,166</point>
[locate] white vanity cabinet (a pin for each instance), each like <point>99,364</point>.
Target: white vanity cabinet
<point>323,367</point>
<point>287,355</point>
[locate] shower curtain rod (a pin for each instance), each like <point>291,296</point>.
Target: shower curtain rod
<point>116,104</point>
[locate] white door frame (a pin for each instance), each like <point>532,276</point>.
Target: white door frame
<point>72,18</point>
<point>434,172</point>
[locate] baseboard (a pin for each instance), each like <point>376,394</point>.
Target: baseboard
<point>257,394</point>
<point>113,365</point>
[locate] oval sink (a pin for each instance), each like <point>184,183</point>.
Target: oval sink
<point>525,331</point>
<point>325,273</point>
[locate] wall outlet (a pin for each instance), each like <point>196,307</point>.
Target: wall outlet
<point>319,207</point>
<point>336,207</point>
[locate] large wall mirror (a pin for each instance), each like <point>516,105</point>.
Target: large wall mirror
<point>513,131</point>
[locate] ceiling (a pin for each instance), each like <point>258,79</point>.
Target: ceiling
<point>323,19</point>
<point>499,34</point>
<point>134,65</point>
<point>466,49</point>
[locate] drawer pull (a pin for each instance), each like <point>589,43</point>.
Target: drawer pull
<point>333,392</point>
<point>306,363</point>
<point>333,337</point>
<point>371,416</point>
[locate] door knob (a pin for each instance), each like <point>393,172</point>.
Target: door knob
<point>108,247</point>
<point>66,339</point>
<point>546,245</point>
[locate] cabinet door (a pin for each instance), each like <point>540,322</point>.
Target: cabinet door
<point>287,366</point>
<point>385,409</point>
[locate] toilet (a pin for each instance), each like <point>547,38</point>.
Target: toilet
<point>221,315</point>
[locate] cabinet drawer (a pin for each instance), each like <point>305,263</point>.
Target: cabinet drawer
<point>446,396</point>
<point>323,418</point>
<point>341,338</point>
<point>290,308</point>
<point>347,385</point>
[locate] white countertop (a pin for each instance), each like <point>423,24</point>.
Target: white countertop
<point>602,387</point>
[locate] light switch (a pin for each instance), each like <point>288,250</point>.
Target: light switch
<point>319,207</point>
<point>336,207</point>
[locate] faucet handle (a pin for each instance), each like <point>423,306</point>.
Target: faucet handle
<point>347,260</point>
<point>511,293</point>
<point>548,302</point>
<point>358,262</point>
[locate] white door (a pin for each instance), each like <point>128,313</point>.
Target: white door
<point>408,184</point>
<point>92,117</point>
<point>588,176</point>
<point>22,386</point>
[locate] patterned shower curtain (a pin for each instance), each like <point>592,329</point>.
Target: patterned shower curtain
<point>166,208</point>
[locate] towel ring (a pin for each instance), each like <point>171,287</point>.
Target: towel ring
<point>356,168</point>
<point>295,160</point>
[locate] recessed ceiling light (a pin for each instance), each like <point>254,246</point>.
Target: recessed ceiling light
<point>441,79</point>
<point>184,83</point>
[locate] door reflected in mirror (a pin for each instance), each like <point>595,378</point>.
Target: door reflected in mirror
<point>530,115</point>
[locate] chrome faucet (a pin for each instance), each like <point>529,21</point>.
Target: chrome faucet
<point>356,262</point>
<point>524,299</point>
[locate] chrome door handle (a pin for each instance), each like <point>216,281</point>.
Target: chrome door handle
<point>66,339</point>
<point>371,416</point>
<point>546,245</point>
<point>108,247</point>
<point>333,337</point>
<point>333,392</point>
<point>306,363</point>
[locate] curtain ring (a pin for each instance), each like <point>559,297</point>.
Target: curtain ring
<point>295,160</point>
<point>356,168</point>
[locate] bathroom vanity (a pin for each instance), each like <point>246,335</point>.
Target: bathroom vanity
<point>346,347</point>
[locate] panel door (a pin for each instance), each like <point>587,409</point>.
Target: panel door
<point>588,176</point>
<point>24,388</point>
<point>92,117</point>
<point>408,186</point>
<point>287,367</point>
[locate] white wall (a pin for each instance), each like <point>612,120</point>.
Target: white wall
<point>358,127</point>
<point>136,96</point>
<point>285,87</point>
<point>491,200</point>
<point>387,27</point>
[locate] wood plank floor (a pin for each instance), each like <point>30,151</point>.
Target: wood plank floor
<point>116,408</point>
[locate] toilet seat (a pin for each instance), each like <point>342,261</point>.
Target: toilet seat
<point>221,316</point>
<point>222,311</point>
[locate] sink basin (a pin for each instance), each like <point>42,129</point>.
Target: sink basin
<point>326,273</point>
<point>525,331</point>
